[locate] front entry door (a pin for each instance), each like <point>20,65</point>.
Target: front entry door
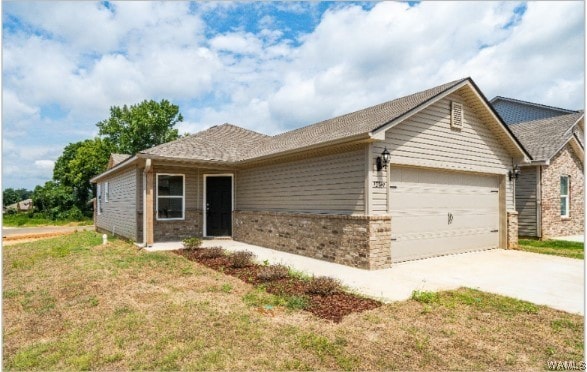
<point>219,206</point>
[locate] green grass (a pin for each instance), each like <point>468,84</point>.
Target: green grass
<point>553,247</point>
<point>482,301</point>
<point>71,303</point>
<point>26,220</point>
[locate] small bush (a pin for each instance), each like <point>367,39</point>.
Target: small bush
<point>323,285</point>
<point>425,297</point>
<point>241,259</point>
<point>273,272</point>
<point>213,252</point>
<point>192,243</point>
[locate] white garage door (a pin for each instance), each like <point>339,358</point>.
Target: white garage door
<point>436,213</point>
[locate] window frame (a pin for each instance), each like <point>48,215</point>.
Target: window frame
<point>566,196</point>
<point>106,192</point>
<point>99,198</point>
<point>157,196</point>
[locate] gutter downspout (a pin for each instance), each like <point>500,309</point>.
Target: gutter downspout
<point>145,171</point>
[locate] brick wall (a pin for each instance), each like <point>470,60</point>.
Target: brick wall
<point>174,230</point>
<point>512,229</point>
<point>359,241</point>
<point>565,162</point>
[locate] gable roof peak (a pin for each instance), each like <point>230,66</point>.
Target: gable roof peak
<point>543,138</point>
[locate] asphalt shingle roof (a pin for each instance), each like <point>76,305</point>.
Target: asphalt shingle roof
<point>231,143</point>
<point>119,158</point>
<point>544,137</point>
<point>224,142</point>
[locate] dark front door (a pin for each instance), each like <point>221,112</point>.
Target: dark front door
<point>218,206</point>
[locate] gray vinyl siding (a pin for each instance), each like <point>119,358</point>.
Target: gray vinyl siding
<point>119,215</point>
<point>427,140</point>
<point>526,202</point>
<point>326,184</point>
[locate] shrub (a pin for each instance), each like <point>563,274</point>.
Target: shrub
<point>241,259</point>
<point>273,272</point>
<point>192,243</point>
<point>213,252</point>
<point>425,297</point>
<point>323,285</point>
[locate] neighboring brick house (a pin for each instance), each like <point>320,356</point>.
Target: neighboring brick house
<point>550,190</point>
<point>420,176</point>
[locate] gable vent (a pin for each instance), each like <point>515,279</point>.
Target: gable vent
<point>456,115</point>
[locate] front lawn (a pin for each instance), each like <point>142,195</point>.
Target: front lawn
<point>71,303</point>
<point>553,247</point>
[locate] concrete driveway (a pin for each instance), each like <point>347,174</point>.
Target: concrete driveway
<point>554,281</point>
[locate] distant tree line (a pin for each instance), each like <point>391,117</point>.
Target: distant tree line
<point>128,130</point>
<point>11,196</point>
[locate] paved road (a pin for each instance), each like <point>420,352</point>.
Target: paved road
<point>13,232</point>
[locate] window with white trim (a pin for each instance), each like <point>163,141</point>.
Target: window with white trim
<point>565,187</point>
<point>106,192</point>
<point>99,198</point>
<point>170,196</point>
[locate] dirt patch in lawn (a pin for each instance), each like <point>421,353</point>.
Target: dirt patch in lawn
<point>295,289</point>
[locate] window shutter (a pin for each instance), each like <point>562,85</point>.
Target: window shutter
<point>456,115</point>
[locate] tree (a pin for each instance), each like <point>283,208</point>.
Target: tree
<point>80,162</point>
<point>53,199</point>
<point>9,196</point>
<point>23,194</point>
<point>141,126</point>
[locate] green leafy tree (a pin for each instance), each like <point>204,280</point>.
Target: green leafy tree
<point>10,196</point>
<point>23,194</point>
<point>80,162</point>
<point>131,129</point>
<point>53,199</point>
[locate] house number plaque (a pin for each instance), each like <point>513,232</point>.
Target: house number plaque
<point>378,184</point>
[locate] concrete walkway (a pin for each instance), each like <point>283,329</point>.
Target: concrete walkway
<point>554,281</point>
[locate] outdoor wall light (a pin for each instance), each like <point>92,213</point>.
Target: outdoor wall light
<point>514,173</point>
<point>383,160</point>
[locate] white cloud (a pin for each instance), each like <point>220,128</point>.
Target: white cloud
<point>83,58</point>
<point>45,164</point>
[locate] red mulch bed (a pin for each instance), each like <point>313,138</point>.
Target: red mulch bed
<point>333,307</point>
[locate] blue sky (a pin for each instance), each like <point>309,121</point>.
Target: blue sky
<point>266,66</point>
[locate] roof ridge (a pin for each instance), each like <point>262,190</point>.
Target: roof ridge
<point>533,104</point>
<point>382,104</point>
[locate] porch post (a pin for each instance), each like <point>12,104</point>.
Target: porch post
<point>149,212</point>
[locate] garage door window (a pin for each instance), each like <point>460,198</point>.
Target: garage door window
<point>565,181</point>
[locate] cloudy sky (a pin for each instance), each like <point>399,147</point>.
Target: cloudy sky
<point>269,67</point>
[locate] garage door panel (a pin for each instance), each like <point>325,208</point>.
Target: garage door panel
<point>402,201</point>
<point>465,219</point>
<point>431,177</point>
<point>438,245</point>
<point>436,212</point>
